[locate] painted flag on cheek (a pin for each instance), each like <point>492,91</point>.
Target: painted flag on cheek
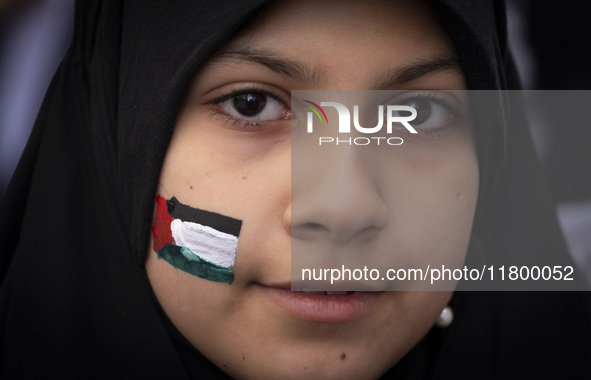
<point>161,228</point>
<point>196,241</point>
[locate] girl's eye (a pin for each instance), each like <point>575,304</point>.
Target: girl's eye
<point>253,106</point>
<point>430,114</point>
<point>436,110</point>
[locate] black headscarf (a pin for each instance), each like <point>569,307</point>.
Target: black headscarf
<point>75,221</point>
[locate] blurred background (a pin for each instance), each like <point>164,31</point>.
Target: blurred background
<point>34,36</point>
<point>551,47</point>
<point>549,42</point>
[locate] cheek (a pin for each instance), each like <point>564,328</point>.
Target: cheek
<point>238,174</point>
<point>432,198</point>
<point>437,191</point>
<point>227,169</point>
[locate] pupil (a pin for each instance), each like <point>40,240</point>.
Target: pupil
<point>423,108</point>
<point>250,104</point>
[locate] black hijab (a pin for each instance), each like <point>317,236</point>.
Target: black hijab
<point>75,221</point>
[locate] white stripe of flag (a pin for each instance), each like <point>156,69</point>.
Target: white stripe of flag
<point>208,243</point>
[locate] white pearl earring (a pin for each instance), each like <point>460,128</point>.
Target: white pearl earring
<point>445,318</point>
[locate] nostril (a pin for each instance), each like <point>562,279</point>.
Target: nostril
<point>308,231</point>
<point>314,226</point>
<point>368,233</point>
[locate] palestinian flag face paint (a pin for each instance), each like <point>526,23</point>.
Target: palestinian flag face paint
<point>198,242</point>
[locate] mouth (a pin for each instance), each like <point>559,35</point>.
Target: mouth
<point>327,293</point>
<point>322,306</point>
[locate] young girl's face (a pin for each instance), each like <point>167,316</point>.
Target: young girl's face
<point>220,160</point>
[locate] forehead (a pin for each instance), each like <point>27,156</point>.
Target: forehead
<point>341,40</point>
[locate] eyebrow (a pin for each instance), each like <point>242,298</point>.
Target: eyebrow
<point>419,69</point>
<point>284,66</point>
<point>305,74</point>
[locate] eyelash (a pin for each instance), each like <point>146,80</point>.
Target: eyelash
<point>244,124</point>
<point>445,102</point>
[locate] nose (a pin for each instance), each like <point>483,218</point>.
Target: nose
<point>336,197</point>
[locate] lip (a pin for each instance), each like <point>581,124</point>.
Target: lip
<point>322,308</point>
